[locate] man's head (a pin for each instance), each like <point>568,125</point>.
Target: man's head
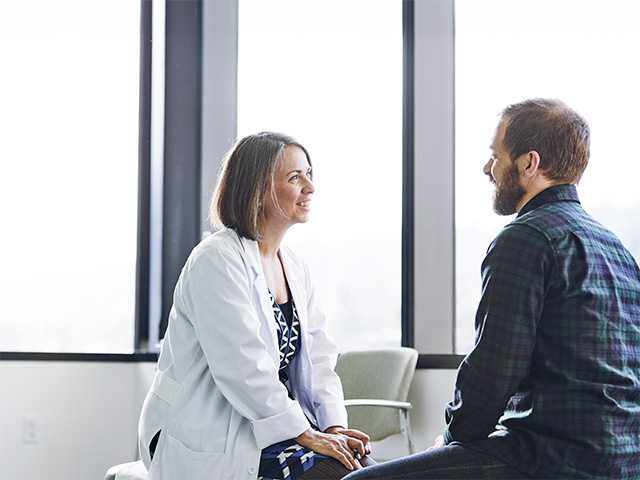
<point>538,143</point>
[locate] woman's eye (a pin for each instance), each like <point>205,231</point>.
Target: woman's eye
<point>294,177</point>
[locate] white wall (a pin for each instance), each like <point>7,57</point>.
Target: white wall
<point>429,393</point>
<point>86,416</point>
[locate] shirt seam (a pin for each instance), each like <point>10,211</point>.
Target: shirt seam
<point>548,240</point>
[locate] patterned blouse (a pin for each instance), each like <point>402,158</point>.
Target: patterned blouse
<point>286,460</point>
<point>288,327</point>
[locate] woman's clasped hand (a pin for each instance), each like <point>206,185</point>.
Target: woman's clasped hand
<point>346,445</point>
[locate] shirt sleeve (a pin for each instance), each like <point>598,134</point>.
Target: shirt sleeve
<point>514,275</point>
<point>219,295</point>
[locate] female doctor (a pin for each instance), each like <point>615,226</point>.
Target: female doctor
<point>245,385</point>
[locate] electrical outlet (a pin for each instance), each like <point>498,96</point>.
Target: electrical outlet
<point>30,434</point>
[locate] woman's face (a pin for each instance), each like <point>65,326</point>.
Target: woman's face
<point>293,189</point>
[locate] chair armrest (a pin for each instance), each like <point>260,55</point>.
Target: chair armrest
<point>368,402</point>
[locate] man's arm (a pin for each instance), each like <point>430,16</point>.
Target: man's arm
<point>514,279</point>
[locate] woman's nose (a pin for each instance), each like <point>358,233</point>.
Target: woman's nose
<point>309,188</point>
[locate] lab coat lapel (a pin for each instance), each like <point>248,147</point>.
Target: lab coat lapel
<point>302,375</point>
<point>297,290</point>
<point>261,297</point>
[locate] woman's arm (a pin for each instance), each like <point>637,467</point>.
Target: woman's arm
<point>218,298</point>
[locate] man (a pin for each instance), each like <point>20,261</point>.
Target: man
<point>552,386</point>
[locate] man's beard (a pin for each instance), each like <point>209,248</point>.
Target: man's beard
<point>509,193</point>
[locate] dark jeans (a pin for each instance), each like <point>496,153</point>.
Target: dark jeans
<point>331,469</point>
<point>451,462</point>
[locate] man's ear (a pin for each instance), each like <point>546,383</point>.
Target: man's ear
<point>530,164</point>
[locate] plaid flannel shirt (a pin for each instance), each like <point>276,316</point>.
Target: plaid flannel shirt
<point>552,386</point>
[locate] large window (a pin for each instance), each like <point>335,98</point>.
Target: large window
<point>330,74</point>
<point>582,52</point>
<point>68,181</point>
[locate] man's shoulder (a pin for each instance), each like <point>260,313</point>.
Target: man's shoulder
<point>555,219</point>
<point>517,239</point>
<point>534,233</point>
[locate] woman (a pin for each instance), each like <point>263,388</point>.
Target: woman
<point>245,385</point>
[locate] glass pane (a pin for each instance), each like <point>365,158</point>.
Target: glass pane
<point>583,52</point>
<point>330,74</point>
<point>68,174</point>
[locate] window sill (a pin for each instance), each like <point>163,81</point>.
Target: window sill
<point>425,361</point>
<point>439,362</point>
<point>80,357</point>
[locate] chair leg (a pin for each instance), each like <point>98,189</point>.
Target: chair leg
<point>405,429</point>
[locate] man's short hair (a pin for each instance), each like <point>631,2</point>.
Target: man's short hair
<point>246,178</point>
<point>559,135</point>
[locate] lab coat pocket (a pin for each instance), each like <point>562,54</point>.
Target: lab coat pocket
<point>173,459</point>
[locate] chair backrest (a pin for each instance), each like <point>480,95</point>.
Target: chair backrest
<point>127,471</point>
<point>383,374</point>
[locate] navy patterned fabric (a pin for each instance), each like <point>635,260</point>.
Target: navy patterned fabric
<point>552,386</point>
<point>286,460</point>
<point>288,326</point>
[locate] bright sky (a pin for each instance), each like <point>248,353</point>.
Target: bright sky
<point>330,74</point>
<point>68,189</point>
<point>583,52</point>
<point>69,163</point>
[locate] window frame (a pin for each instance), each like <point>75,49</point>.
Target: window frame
<point>429,231</point>
<point>141,313</point>
<point>204,35</point>
<point>141,329</point>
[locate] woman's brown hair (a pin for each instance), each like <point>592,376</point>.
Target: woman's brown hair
<point>245,179</point>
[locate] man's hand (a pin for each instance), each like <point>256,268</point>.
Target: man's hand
<point>437,443</point>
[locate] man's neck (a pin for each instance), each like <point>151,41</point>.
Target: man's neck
<point>539,186</point>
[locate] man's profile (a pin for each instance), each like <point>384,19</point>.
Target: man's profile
<point>551,388</point>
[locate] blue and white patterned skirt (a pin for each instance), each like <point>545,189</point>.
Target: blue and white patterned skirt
<point>287,460</point>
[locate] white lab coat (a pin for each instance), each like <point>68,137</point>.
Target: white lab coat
<point>216,394</point>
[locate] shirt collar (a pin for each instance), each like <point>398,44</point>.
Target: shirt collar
<point>557,193</point>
